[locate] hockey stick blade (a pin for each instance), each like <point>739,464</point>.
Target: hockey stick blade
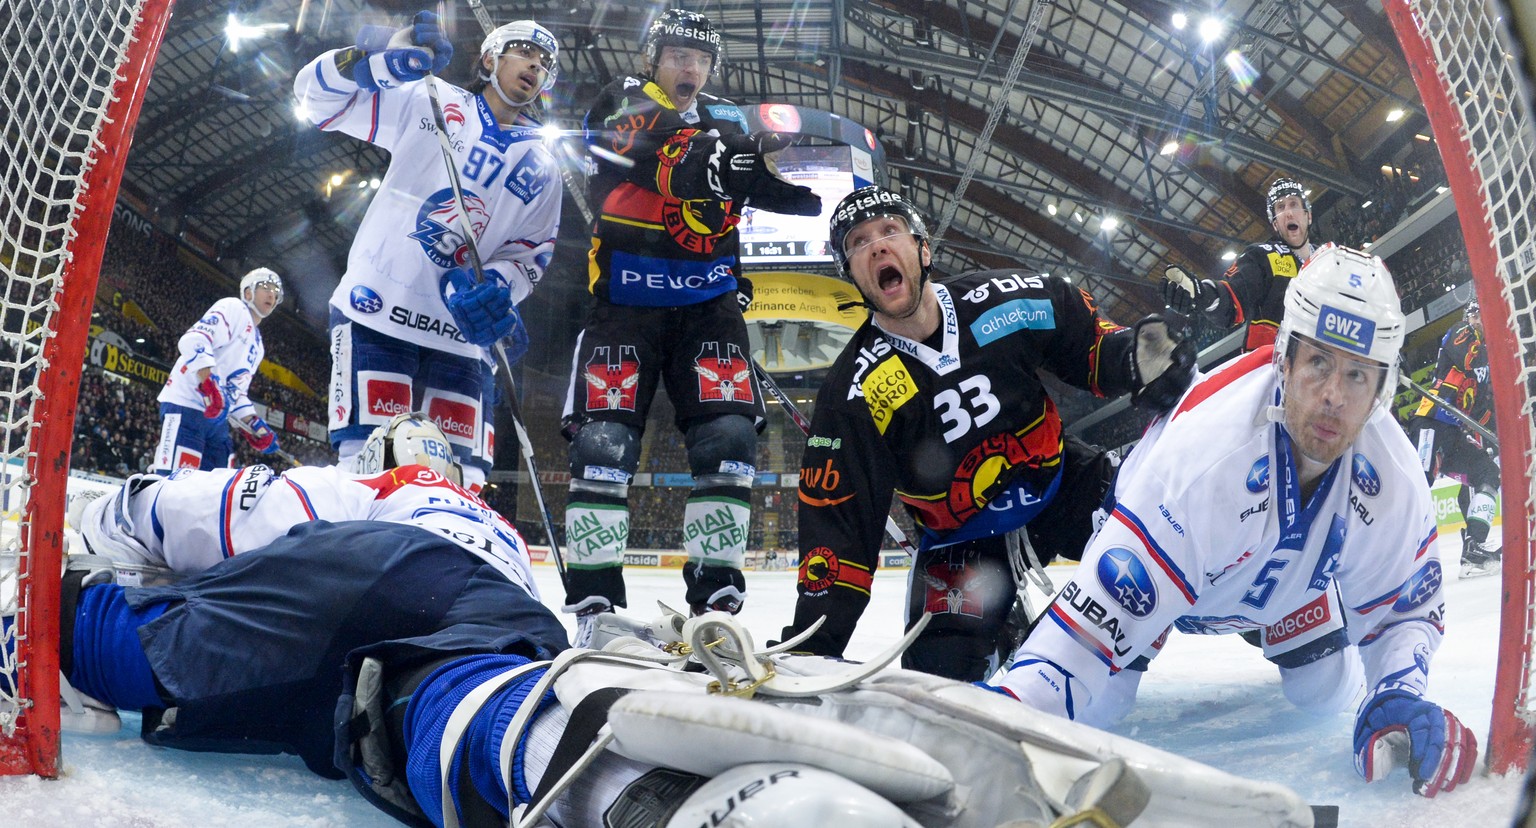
<point>1461,416</point>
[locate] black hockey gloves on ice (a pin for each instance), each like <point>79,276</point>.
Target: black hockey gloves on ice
<point>749,172</point>
<point>1162,366</point>
<point>385,59</point>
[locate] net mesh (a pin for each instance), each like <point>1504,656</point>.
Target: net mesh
<point>1478,105</point>
<point>69,83</point>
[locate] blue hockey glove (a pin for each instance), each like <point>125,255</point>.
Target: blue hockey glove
<point>260,436</point>
<point>483,311</point>
<point>1396,727</point>
<point>408,54</point>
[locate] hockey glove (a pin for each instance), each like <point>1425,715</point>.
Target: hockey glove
<point>748,172</point>
<point>409,54</point>
<point>1183,295</point>
<point>1162,366</point>
<point>743,293</point>
<point>260,435</point>
<point>213,398</point>
<point>483,311</point>
<point>1440,752</point>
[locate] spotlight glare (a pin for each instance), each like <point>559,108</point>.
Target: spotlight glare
<point>1179,20</point>
<point>1229,255</point>
<point>1394,116</point>
<point>1169,148</point>
<point>1211,29</point>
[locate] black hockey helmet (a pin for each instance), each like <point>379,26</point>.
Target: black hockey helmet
<point>1281,188</point>
<point>686,29</point>
<point>860,206</point>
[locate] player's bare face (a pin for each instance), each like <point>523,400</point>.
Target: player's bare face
<point>521,72</point>
<point>681,73</point>
<point>265,299</point>
<point>1291,221</point>
<point>1329,394</point>
<point>886,262</point>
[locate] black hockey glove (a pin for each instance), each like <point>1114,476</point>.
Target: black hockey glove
<point>743,293</point>
<point>1184,295</point>
<point>1162,366</point>
<point>748,172</point>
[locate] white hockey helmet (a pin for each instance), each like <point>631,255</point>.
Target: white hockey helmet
<point>1346,298</point>
<point>260,277</point>
<point>519,31</point>
<point>407,439</point>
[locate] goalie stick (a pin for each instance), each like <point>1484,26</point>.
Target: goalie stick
<point>503,365</point>
<point>1461,416</point>
<point>773,389</point>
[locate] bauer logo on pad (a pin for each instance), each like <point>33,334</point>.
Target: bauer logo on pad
<point>1346,330</point>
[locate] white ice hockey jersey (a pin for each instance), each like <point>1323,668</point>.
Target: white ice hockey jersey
<point>227,341</point>
<point>1210,534</point>
<point>411,232</point>
<point>194,519</point>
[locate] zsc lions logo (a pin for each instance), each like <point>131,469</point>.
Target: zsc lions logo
<point>1366,479</point>
<point>438,228</point>
<point>1126,579</point>
<point>365,300</point>
<point>1258,475</point>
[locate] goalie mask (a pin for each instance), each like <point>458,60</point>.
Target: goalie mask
<point>1346,298</point>
<point>682,29</point>
<point>260,277</point>
<point>867,203</point>
<point>519,33</point>
<point>407,439</point>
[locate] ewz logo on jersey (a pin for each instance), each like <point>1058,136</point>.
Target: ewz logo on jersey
<point>365,300</point>
<point>1365,476</point>
<point>1258,475</point>
<point>1420,588</point>
<point>1127,580</point>
<point>438,230</point>
<point>1346,330</point>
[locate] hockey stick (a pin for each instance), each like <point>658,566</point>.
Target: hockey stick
<point>1461,416</point>
<point>503,365</point>
<point>765,381</point>
<point>245,427</point>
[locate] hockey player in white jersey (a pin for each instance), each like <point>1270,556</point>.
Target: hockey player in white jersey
<point>410,326</point>
<point>212,377</point>
<point>406,474</point>
<point>1281,497</point>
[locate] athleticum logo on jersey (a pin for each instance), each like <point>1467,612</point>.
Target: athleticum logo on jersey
<point>1365,476</point>
<point>438,228</point>
<point>1127,580</point>
<point>365,300</point>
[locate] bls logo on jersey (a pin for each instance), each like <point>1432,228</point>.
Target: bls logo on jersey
<point>612,383</point>
<point>723,377</point>
<point>437,227</point>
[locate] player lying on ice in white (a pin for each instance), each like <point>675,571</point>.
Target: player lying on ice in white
<point>448,709</point>
<point>1279,496</point>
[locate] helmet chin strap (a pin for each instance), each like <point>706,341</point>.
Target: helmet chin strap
<point>251,304</point>
<point>496,85</point>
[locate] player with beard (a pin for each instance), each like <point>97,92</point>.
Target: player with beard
<point>937,400</point>
<point>1279,497</point>
<point>673,171</point>
<point>1252,291</point>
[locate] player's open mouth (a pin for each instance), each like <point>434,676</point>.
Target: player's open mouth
<point>1293,227</point>
<point>686,90</point>
<point>887,277</point>
<point>530,78</point>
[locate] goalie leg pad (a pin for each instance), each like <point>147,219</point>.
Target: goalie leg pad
<point>776,793</point>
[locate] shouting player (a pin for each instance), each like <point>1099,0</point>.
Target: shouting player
<point>411,325</point>
<point>1252,290</point>
<point>1280,496</point>
<point>211,378</point>
<point>673,172</point>
<point>937,399</point>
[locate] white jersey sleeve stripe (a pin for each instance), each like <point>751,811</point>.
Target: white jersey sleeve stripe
<point>1159,556</point>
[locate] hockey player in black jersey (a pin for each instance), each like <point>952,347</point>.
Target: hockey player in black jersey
<point>673,170</point>
<point>1252,291</point>
<point>937,399</point>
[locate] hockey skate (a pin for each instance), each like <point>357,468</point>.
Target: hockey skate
<point>1477,561</point>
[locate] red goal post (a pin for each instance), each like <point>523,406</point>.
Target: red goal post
<point>72,86</point>
<point>1478,105</point>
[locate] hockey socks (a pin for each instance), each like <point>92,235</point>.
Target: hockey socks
<point>108,662</point>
